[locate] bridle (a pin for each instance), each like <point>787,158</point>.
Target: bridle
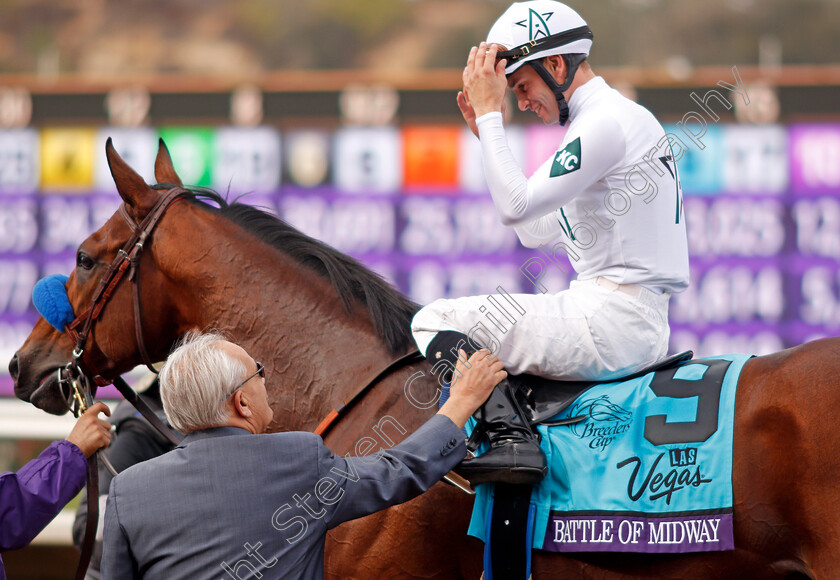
<point>74,378</point>
<point>125,261</point>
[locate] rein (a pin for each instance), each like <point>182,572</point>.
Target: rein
<point>74,382</point>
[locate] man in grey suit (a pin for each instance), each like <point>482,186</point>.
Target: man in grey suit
<point>233,502</point>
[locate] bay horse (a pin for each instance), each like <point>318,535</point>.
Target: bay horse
<point>323,324</point>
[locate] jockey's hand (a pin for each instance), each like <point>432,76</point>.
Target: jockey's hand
<point>468,112</point>
<point>90,432</point>
<point>484,80</point>
<point>472,382</point>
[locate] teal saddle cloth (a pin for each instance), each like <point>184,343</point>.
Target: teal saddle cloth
<point>649,469</point>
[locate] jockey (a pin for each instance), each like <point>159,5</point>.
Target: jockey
<point>609,196</point>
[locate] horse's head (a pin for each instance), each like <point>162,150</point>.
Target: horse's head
<point>111,346</point>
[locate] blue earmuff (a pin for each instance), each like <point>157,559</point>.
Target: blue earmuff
<point>50,299</point>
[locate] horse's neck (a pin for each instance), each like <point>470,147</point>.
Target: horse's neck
<point>388,413</point>
<point>289,318</point>
<point>314,371</point>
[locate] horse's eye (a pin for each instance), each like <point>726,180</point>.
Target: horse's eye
<point>84,261</point>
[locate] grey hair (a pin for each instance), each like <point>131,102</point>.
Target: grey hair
<point>195,380</point>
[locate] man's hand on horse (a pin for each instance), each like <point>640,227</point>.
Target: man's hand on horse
<point>90,432</point>
<point>472,382</point>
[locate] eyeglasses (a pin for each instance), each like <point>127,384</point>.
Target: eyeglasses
<point>260,371</point>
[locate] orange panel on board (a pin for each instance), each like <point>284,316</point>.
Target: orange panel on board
<point>430,156</point>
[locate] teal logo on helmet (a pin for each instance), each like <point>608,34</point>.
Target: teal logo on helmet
<point>536,24</point>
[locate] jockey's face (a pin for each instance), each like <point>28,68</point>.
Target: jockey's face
<point>533,94</point>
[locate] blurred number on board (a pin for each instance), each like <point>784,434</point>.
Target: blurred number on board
<point>368,160</point>
<point>247,160</point>
<point>128,106</point>
<point>19,170</point>
<point>15,107</point>
<point>18,225</point>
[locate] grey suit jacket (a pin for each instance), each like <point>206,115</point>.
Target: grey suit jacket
<point>229,504</point>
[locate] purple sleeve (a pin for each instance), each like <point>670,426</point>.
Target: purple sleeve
<point>32,497</point>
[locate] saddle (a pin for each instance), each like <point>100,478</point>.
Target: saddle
<point>541,398</point>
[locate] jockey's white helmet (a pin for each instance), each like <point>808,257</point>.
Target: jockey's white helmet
<point>527,25</point>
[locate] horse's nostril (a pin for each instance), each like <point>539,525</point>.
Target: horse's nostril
<point>14,367</point>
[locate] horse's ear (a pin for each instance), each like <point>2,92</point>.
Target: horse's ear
<point>138,196</point>
<point>164,170</point>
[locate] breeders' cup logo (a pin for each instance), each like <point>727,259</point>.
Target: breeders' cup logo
<point>605,421</point>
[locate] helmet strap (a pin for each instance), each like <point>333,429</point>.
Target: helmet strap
<point>573,61</point>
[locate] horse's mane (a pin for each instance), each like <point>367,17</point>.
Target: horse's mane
<point>390,311</point>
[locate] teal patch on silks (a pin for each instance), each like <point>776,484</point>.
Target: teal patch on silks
<point>566,160</point>
<point>49,296</point>
<point>648,470</point>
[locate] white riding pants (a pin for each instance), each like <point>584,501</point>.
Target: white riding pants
<point>595,330</point>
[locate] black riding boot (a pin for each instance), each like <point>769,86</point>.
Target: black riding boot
<point>514,456</point>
